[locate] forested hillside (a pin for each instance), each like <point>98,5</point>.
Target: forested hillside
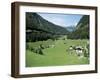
<point>38,28</point>
<point>82,29</point>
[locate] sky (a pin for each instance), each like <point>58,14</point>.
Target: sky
<point>64,20</point>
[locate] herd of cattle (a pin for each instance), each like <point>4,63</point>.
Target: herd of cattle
<point>80,51</point>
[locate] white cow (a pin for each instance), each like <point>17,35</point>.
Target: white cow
<point>77,49</point>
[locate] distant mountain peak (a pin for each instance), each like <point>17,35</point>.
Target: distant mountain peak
<point>70,28</point>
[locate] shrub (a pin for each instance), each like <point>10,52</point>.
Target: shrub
<point>40,51</point>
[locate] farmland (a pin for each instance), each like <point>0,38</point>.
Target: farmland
<point>55,56</point>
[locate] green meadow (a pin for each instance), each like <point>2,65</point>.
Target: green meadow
<point>55,56</point>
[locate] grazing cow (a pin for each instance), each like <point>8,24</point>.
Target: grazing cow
<point>71,49</point>
<point>78,50</point>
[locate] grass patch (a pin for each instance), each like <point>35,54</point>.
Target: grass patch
<point>56,56</point>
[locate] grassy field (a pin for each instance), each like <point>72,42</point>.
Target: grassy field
<point>56,56</point>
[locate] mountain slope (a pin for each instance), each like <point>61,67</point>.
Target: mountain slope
<point>39,29</point>
<point>35,21</point>
<point>82,29</point>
